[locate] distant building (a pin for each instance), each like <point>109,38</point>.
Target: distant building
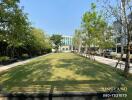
<point>121,39</point>
<point>66,45</point>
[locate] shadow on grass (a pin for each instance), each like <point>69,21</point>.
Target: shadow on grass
<point>58,86</point>
<point>35,76</point>
<point>85,67</point>
<point>38,70</point>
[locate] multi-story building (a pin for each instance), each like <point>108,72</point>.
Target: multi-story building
<point>121,39</point>
<point>66,45</point>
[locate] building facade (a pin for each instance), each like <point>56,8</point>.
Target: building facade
<point>66,45</point>
<point>121,37</point>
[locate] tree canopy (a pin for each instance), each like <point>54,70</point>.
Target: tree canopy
<point>94,30</point>
<point>16,33</point>
<point>56,41</point>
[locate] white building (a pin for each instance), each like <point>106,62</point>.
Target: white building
<point>66,45</point>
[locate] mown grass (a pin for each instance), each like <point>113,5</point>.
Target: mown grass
<point>65,72</point>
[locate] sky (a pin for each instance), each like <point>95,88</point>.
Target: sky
<point>56,16</point>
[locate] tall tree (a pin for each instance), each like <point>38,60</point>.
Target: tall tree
<point>122,13</point>
<point>95,29</point>
<point>38,41</point>
<point>77,40</point>
<point>16,34</point>
<point>14,25</point>
<point>56,40</point>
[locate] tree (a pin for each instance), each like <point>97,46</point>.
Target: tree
<point>106,40</point>
<point>56,40</point>
<point>77,40</point>
<point>38,42</point>
<point>88,24</point>
<point>14,25</point>
<point>96,32</point>
<point>16,34</point>
<point>122,13</point>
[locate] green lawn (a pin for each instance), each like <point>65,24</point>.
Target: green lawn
<point>65,72</point>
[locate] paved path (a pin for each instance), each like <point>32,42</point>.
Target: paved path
<point>111,62</point>
<point>3,68</point>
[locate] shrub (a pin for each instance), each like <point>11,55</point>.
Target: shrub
<point>4,58</point>
<point>24,56</point>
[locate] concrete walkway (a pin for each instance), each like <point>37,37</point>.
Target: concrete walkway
<point>110,62</point>
<point>3,68</point>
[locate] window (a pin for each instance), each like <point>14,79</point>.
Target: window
<point>119,40</point>
<point>118,49</point>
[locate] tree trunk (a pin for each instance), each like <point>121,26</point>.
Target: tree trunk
<point>127,63</point>
<point>119,60</point>
<point>86,49</point>
<point>12,52</point>
<point>123,31</point>
<point>79,47</point>
<point>127,32</point>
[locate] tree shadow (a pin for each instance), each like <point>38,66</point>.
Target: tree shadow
<point>103,73</point>
<point>35,76</point>
<point>22,74</point>
<point>62,91</point>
